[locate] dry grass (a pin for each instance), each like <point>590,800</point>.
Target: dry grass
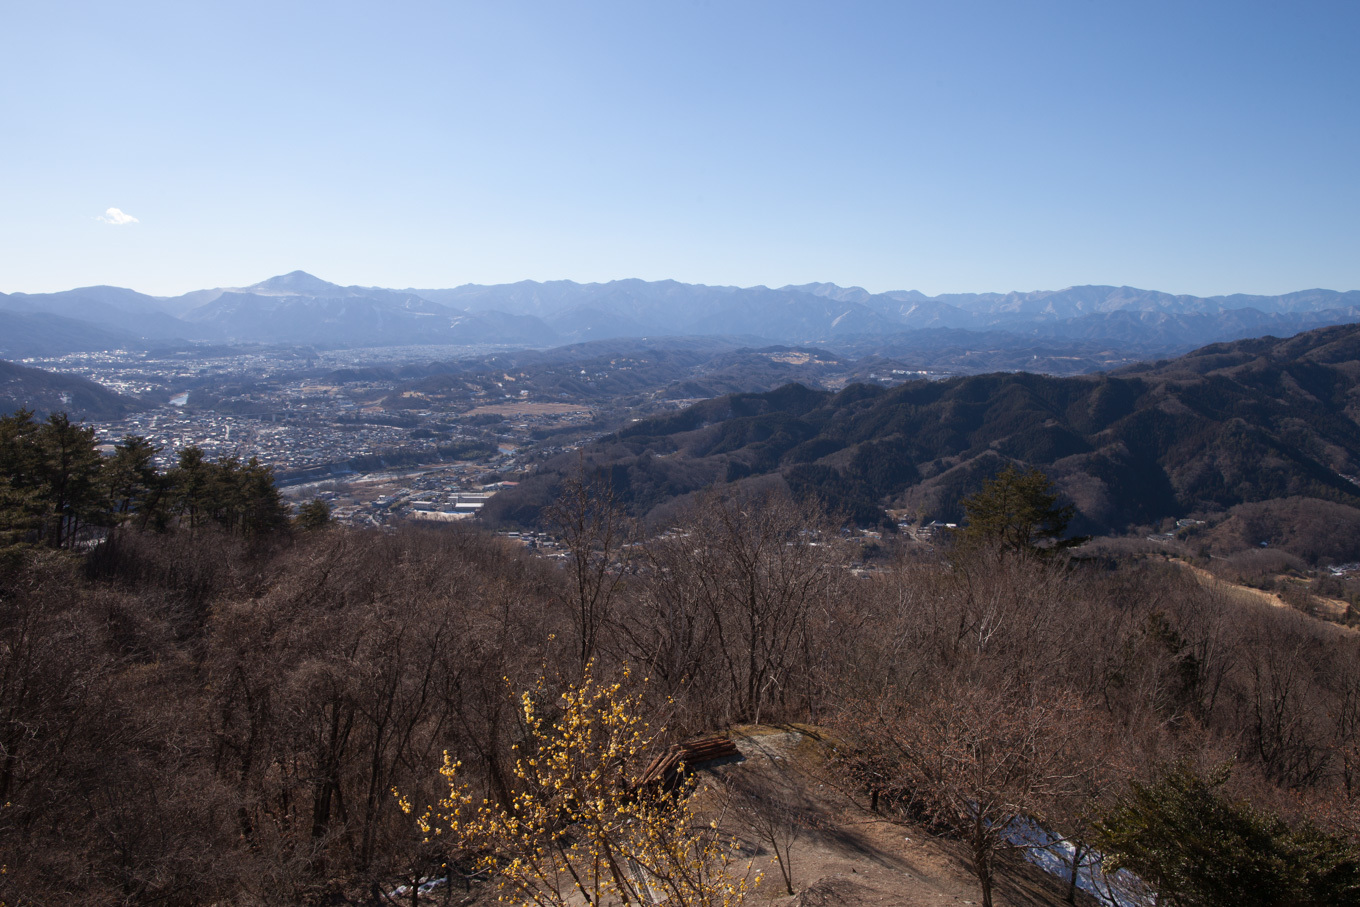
<point>1330,609</point>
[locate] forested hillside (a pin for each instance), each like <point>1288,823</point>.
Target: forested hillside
<point>197,715</point>
<point>1230,424</point>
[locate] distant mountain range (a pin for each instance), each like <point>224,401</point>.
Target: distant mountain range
<point>298,308</point>
<point>1229,424</point>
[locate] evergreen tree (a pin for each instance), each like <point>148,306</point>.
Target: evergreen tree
<point>1198,848</point>
<point>189,483</point>
<point>18,449</point>
<point>1020,511</point>
<point>261,507</point>
<point>314,515</point>
<point>66,474</point>
<point>130,480</point>
<point>54,483</point>
<point>20,516</point>
<point>21,505</point>
<point>240,497</point>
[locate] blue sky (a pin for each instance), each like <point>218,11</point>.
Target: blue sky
<point>948,147</point>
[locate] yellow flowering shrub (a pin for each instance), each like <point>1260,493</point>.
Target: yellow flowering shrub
<point>579,825</point>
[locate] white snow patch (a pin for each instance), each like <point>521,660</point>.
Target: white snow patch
<point>1053,854</point>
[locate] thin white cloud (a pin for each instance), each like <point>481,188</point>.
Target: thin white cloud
<point>116,217</point>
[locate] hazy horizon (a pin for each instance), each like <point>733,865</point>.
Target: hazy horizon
<point>846,286</point>
<point>973,147</point>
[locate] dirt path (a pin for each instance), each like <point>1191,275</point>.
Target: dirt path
<point>842,853</point>
<point>1246,593</point>
<point>1332,609</point>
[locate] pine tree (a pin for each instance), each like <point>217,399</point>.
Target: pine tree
<point>314,515</point>
<point>1198,848</point>
<point>130,480</point>
<point>21,504</point>
<point>1018,510</point>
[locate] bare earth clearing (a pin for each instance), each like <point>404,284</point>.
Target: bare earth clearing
<point>1330,608</point>
<point>844,854</point>
<point>841,854</point>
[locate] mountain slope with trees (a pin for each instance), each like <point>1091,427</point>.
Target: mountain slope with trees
<point>201,715</point>
<point>1232,423</point>
<point>47,392</point>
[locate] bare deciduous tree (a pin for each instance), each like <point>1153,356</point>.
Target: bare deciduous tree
<point>732,598</point>
<point>980,756</point>
<point>592,525</point>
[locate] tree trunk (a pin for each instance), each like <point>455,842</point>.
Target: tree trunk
<point>1078,852</point>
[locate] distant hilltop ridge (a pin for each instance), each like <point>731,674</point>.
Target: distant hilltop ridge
<point>300,308</point>
<point>1226,425</point>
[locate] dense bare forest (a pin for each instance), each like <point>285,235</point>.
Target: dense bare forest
<point>206,711</point>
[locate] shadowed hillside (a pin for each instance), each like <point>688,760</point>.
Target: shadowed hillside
<point>1231,423</point>
<point>48,392</point>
